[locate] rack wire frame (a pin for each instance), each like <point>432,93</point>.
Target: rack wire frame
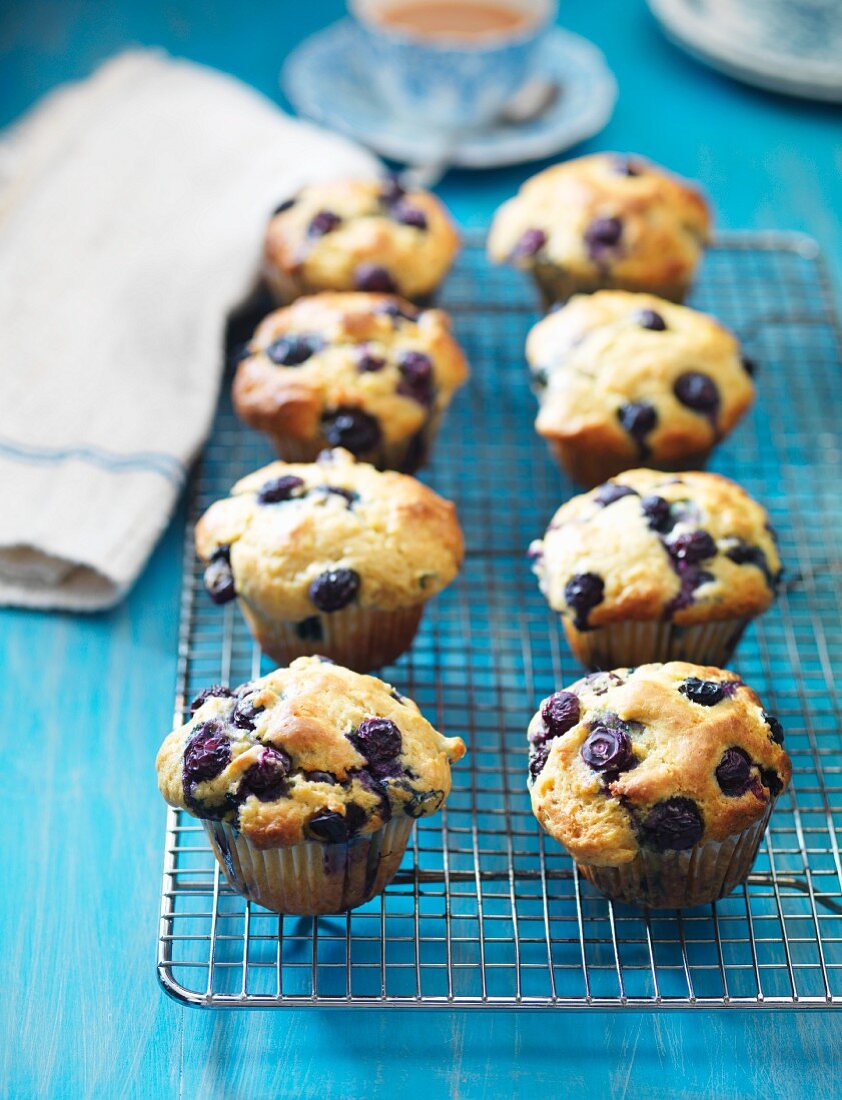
<point>487,911</point>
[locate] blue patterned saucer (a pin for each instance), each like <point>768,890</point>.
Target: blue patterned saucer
<point>781,45</point>
<point>322,80</point>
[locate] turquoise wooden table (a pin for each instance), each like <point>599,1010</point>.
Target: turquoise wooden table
<point>86,699</point>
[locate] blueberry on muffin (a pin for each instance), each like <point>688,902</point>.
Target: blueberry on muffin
<point>367,372</point>
<point>604,221</point>
<point>307,782</point>
<point>332,557</point>
<point>652,567</point>
<point>658,780</point>
<point>358,234</point>
<point>627,378</point>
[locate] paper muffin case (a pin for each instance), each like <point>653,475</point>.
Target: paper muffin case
<point>311,877</point>
<point>404,455</point>
<point>359,638</point>
<point>555,284</point>
<point>625,645</point>
<point>590,468</point>
<point>679,880</point>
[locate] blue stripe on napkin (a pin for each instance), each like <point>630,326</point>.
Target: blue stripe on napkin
<point>158,462</point>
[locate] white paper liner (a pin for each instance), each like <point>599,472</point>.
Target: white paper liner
<point>357,637</point>
<point>679,880</point>
<point>311,877</point>
<point>623,645</point>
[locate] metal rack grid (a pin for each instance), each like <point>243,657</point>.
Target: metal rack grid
<point>486,911</point>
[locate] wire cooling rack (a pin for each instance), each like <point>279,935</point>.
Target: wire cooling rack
<point>486,911</point>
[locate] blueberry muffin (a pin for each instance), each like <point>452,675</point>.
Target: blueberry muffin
<point>659,780</point>
<point>650,567</point>
<point>307,782</point>
<point>628,378</point>
<point>604,221</point>
<point>332,557</point>
<point>359,235</point>
<point>367,372</point>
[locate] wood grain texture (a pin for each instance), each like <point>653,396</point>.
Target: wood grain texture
<point>86,699</point>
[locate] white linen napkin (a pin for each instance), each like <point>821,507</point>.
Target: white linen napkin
<point>132,207</point>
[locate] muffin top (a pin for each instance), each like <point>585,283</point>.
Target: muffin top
<point>661,757</point>
<point>309,752</point>
<point>638,375</point>
<point>356,368</point>
<point>361,235</point>
<point>296,539</point>
<point>605,214</point>
<point>691,548</point>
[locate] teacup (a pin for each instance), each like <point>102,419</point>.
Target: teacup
<point>445,80</point>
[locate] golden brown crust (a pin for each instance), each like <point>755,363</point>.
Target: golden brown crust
<point>402,539</point>
<point>596,360</point>
<point>665,223</point>
<point>307,712</point>
<point>370,231</point>
<point>677,746</point>
<point>643,578</point>
<point>290,401</point>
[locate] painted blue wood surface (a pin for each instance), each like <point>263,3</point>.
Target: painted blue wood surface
<point>85,700</point>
